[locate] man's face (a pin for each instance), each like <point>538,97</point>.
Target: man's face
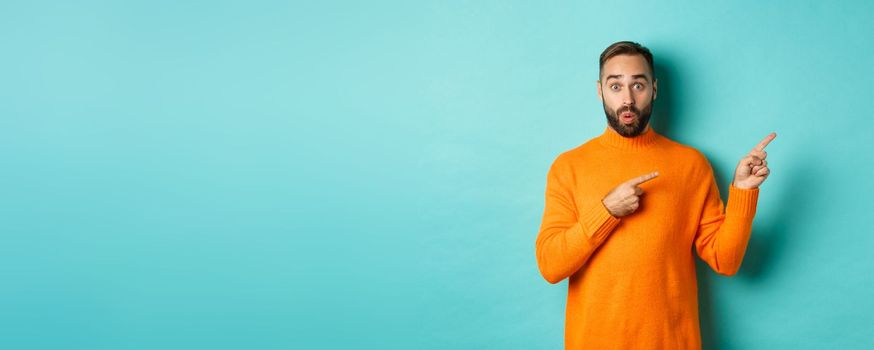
<point>627,91</point>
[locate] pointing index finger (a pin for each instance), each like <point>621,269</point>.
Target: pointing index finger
<point>765,142</point>
<point>643,178</point>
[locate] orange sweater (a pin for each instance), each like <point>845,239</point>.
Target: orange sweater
<point>632,279</point>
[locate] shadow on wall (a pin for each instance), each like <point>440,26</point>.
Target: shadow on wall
<point>665,107</point>
<point>770,235</point>
<point>769,239</point>
<point>665,112</point>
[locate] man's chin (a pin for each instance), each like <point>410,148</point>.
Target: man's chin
<point>630,130</point>
<point>635,128</point>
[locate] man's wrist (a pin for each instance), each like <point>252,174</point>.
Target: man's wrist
<point>735,185</point>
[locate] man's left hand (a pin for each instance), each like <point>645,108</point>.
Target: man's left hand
<point>753,169</point>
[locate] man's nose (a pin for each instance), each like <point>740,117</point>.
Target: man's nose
<point>628,99</point>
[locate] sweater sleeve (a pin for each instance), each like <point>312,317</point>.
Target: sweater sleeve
<point>721,239</point>
<point>568,235</point>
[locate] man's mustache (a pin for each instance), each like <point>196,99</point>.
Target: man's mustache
<point>631,109</point>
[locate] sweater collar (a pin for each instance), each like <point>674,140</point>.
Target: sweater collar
<point>611,138</point>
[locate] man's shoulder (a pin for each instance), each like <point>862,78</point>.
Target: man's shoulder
<point>678,152</point>
<point>579,152</point>
<point>682,152</point>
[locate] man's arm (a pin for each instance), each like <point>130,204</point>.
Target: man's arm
<point>722,238</point>
<point>568,236</point>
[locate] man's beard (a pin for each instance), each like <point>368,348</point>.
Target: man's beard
<point>635,128</point>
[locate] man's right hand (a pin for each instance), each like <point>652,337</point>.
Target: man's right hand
<point>625,198</point>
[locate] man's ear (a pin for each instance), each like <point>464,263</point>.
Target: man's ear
<point>655,88</point>
<point>599,89</point>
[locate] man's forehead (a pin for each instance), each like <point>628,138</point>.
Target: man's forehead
<point>622,66</point>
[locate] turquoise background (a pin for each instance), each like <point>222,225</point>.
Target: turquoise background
<point>266,175</point>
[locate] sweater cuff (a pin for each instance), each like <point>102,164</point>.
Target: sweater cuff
<point>742,202</point>
<point>598,223</point>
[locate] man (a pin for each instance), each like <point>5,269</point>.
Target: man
<point>624,212</point>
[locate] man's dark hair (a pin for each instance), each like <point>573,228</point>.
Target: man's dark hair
<point>626,48</point>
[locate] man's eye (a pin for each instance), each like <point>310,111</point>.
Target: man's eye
<point>638,86</point>
<point>614,86</point>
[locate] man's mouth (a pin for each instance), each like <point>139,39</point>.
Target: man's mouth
<point>627,117</point>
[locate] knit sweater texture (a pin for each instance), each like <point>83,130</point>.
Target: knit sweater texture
<point>631,280</point>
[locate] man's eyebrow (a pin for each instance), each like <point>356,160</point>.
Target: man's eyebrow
<point>635,76</point>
